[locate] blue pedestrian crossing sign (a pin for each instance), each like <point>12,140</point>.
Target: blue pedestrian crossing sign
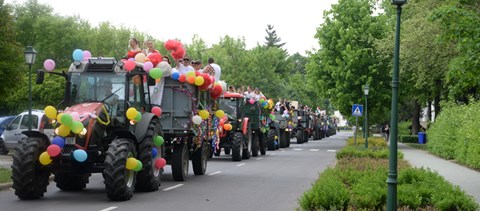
<point>357,110</point>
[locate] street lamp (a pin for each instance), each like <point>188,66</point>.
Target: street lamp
<point>392,171</point>
<point>365,91</point>
<point>30,54</point>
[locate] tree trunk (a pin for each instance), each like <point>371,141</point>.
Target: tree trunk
<point>416,118</point>
<point>438,92</point>
<point>429,111</point>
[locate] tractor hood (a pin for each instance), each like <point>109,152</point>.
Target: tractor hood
<point>85,110</point>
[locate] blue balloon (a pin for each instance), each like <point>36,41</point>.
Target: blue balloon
<point>154,152</point>
<point>58,140</point>
<point>176,75</point>
<point>80,155</point>
<point>77,55</point>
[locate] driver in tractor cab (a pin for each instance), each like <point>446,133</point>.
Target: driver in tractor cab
<point>108,97</point>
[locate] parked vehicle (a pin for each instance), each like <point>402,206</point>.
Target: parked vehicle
<point>4,121</point>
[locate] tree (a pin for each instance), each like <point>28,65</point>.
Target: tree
<point>272,40</point>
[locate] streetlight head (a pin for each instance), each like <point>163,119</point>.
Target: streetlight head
<point>365,90</point>
<point>30,54</point>
<point>399,2</point>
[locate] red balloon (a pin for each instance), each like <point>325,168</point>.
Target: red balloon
<point>53,150</point>
<point>160,163</point>
<point>157,110</point>
<point>182,78</point>
<point>155,58</point>
<point>216,91</point>
<point>197,73</point>
<point>172,45</point>
<point>207,81</point>
<point>129,65</point>
<point>178,53</point>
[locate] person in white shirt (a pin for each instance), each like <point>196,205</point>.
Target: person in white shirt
<point>217,70</point>
<point>183,65</point>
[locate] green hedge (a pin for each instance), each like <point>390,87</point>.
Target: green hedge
<point>409,139</point>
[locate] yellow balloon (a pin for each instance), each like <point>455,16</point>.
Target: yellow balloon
<point>131,163</point>
<point>203,114</point>
<point>191,73</point>
<point>140,57</point>
<point>63,130</point>
<point>132,113</point>
<point>199,80</point>
<point>50,112</point>
<point>59,116</point>
<point>45,158</point>
<point>219,113</point>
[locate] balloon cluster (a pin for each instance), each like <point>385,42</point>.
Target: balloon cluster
<point>133,115</point>
<point>176,48</point>
<point>70,122</point>
<point>133,164</point>
<point>79,55</point>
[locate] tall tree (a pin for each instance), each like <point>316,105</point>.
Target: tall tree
<point>272,40</point>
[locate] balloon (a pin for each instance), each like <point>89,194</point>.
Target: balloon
<point>147,66</point>
<point>86,55</point>
<point>63,130</point>
<point>251,101</point>
<point>196,119</point>
<point>261,100</point>
<point>199,80</point>
<point>66,119</point>
<point>45,158</point>
<point>140,57</point>
<point>77,55</point>
<point>154,152</point>
<point>160,163</point>
<point>59,116</point>
<point>131,163</point>
<point>164,66</point>
<point>49,65</point>
<point>53,150</point>
<point>77,127</point>
<point>138,117</point>
<point>272,117</point>
<point>191,73</point>
<point>216,91</point>
<point>175,75</point>
<point>157,110</point>
<point>139,166</point>
<point>227,127</point>
<point>285,112</point>
<point>131,113</point>
<point>203,114</point>
<point>50,112</point>
<point>223,85</point>
<point>158,141</point>
<point>182,78</point>
<point>129,65</point>
<point>156,73</point>
<point>80,155</point>
<point>59,141</point>
<point>219,113</point>
<point>191,79</point>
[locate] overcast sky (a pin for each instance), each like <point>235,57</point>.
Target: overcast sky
<point>295,21</point>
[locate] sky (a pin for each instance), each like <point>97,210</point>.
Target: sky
<point>294,21</point>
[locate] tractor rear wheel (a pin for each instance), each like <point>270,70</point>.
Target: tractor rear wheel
<point>30,180</point>
<point>227,150</point>
<point>237,146</point>
<point>271,139</point>
<point>255,143</point>
<point>299,136</point>
<point>180,162</point>
<point>199,159</point>
<point>71,182</point>
<point>119,181</point>
<point>287,138</point>
<point>148,179</point>
<point>262,143</point>
<point>283,138</point>
<point>247,147</point>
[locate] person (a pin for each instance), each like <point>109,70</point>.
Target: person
<point>231,89</point>
<point>387,132</point>
<point>134,48</point>
<point>197,66</point>
<point>241,90</point>
<point>108,97</point>
<point>166,59</point>
<point>217,70</point>
<point>150,48</point>
<point>183,65</point>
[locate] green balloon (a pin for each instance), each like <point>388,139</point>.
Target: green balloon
<point>66,119</point>
<point>156,73</point>
<point>139,166</point>
<point>158,141</point>
<point>138,118</point>
<point>77,127</point>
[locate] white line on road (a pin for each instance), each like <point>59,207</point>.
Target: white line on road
<point>173,187</point>
<point>314,150</point>
<point>258,158</point>
<point>331,150</point>
<point>217,172</point>
<point>297,149</point>
<point>241,164</point>
<point>109,208</point>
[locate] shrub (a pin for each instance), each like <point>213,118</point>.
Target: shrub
<point>328,193</point>
<point>409,139</point>
<point>403,128</point>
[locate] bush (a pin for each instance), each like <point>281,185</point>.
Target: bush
<point>409,139</point>
<point>403,128</point>
<point>328,193</point>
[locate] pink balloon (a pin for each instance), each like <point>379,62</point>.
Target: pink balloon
<point>157,111</point>
<point>49,65</point>
<point>147,66</point>
<point>285,112</point>
<point>129,65</point>
<point>75,116</point>
<point>53,150</point>
<point>160,163</point>
<point>86,55</point>
<point>251,101</point>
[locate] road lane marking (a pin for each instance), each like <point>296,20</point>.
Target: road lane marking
<point>241,164</point>
<point>331,150</point>
<point>258,158</point>
<point>314,150</point>
<point>297,149</point>
<point>282,150</point>
<point>217,172</point>
<point>109,208</point>
<point>173,187</point>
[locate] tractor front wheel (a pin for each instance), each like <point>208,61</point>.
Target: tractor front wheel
<point>119,181</point>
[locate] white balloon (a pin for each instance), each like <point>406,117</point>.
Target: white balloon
<point>196,119</point>
<point>166,68</point>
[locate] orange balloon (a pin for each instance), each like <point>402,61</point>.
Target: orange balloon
<point>191,79</point>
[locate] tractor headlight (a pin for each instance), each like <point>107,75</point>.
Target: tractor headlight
<point>299,118</point>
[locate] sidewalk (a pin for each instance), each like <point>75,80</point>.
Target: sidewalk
<point>468,180</point>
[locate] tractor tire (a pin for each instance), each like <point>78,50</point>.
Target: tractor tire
<point>148,179</point>
<point>71,182</point>
<point>3,148</point>
<point>305,136</point>
<point>256,143</point>
<point>30,180</point>
<point>227,150</point>
<point>263,144</point>
<point>271,140</point>
<point>299,136</point>
<point>180,162</point>
<point>283,138</point>
<point>237,146</point>
<point>199,159</point>
<point>287,138</point>
<point>218,152</point>
<point>119,181</point>
<point>247,146</point>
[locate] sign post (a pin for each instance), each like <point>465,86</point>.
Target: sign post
<point>357,111</point>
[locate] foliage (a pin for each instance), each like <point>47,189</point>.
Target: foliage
<point>403,128</point>
<point>5,175</point>
<point>333,195</point>
<point>408,139</point>
<point>272,40</point>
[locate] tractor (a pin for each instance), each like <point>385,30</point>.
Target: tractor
<point>252,110</point>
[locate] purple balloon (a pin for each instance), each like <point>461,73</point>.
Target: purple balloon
<point>49,65</point>
<point>86,55</point>
<point>147,66</point>
<point>60,141</point>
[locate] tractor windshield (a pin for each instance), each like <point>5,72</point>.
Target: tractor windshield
<point>97,87</point>
<point>229,106</point>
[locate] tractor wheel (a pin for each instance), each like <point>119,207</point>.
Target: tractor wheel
<point>262,143</point>
<point>227,150</point>
<point>271,139</point>
<point>287,138</point>
<point>283,138</point>
<point>199,159</point>
<point>71,182</point>
<point>299,136</point>
<point>180,162</point>
<point>148,179</point>
<point>218,152</point>
<point>119,181</point>
<point>3,148</point>
<point>247,146</point>
<point>237,146</point>
<point>305,136</point>
<point>30,180</point>
<point>256,143</point>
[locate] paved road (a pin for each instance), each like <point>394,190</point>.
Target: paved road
<point>272,182</point>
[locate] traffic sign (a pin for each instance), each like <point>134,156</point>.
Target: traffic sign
<point>357,110</point>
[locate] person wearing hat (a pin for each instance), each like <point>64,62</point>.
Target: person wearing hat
<point>183,65</point>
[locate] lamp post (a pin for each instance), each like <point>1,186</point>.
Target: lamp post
<point>365,91</point>
<point>30,54</point>
<point>392,171</point>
